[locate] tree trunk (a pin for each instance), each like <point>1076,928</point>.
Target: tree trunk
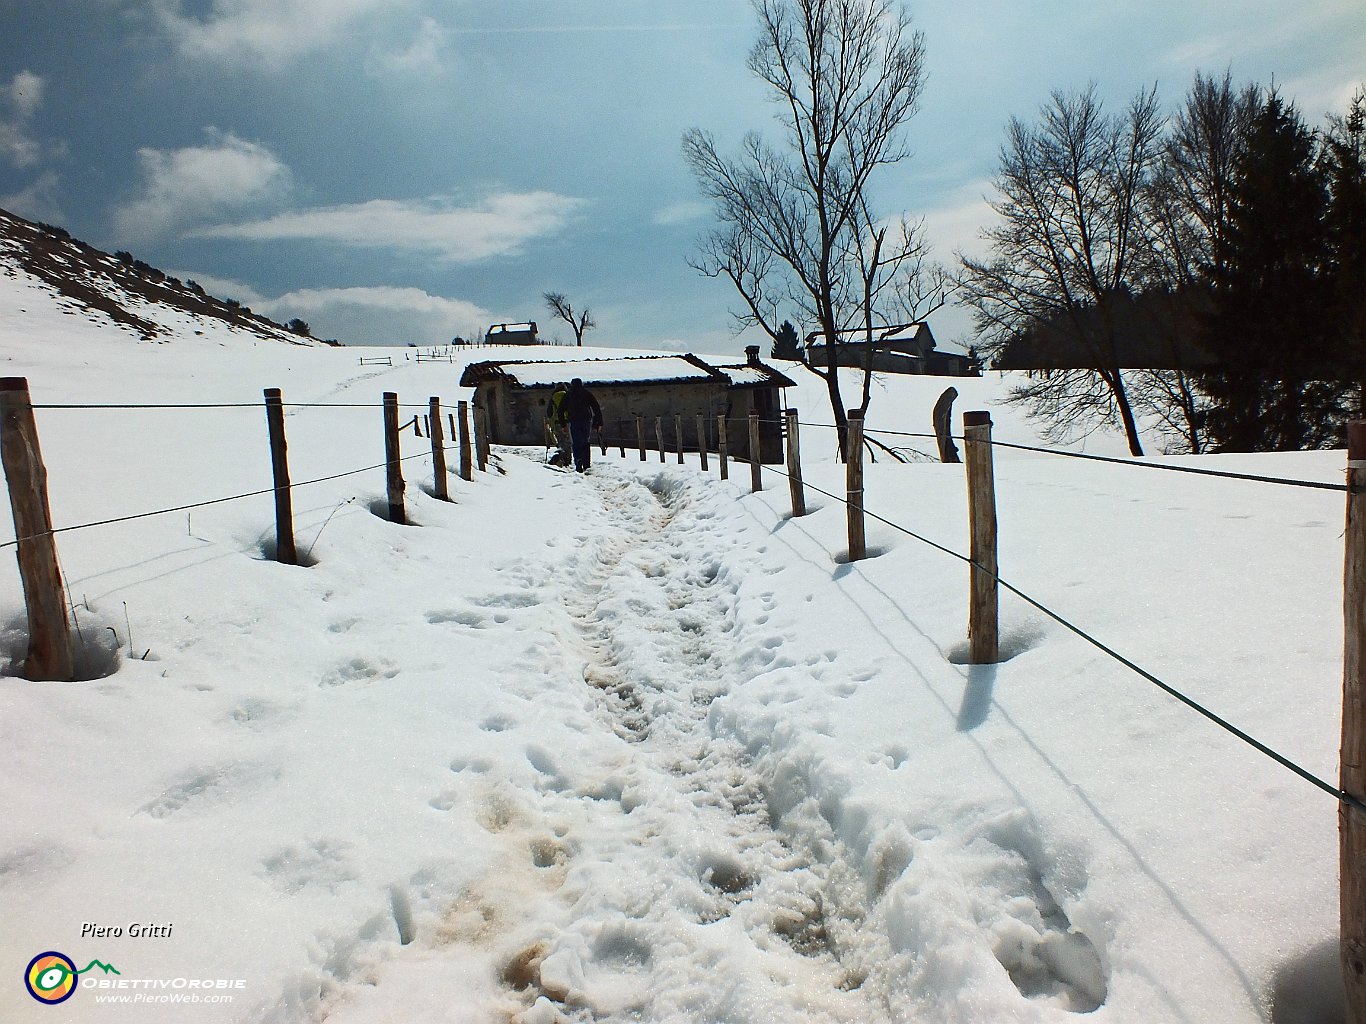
<point>1126,414</point>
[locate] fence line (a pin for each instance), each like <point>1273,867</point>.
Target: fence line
<point>992,573</point>
<point>1135,463</point>
<point>1223,723</point>
<point>757,469</point>
<point>215,501</point>
<point>222,405</point>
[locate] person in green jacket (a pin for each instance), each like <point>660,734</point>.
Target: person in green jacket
<point>558,427</point>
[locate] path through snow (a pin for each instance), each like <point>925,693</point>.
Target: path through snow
<point>653,869</point>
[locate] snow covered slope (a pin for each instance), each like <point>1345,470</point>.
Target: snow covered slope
<point>639,746</point>
<point>107,291</point>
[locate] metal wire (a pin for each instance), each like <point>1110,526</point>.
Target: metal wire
<point>1128,663</point>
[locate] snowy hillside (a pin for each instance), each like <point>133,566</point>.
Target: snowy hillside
<point>639,746</point>
<point>53,268</point>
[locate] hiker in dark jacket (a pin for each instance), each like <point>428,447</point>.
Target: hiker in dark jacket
<point>584,415</point>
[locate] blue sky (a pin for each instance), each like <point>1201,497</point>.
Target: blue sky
<point>405,170</point>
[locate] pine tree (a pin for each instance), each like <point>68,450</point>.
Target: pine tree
<point>787,345</point>
<point>1344,160</point>
<point>1270,324</point>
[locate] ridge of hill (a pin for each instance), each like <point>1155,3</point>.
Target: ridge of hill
<point>131,294</point>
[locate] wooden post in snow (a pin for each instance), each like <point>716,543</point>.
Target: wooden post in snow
<point>702,440</point>
<point>755,467</point>
<point>640,435</point>
<point>1352,774</point>
<point>722,454</point>
<point>438,449</point>
<point>481,438</point>
<point>466,456</point>
<point>984,594</point>
<point>659,436</point>
<point>50,655</point>
<point>794,466</point>
<point>678,436</point>
<point>853,485</point>
<point>393,465</point>
<point>285,550</point>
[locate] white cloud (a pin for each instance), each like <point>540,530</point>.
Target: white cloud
<point>186,185</point>
<point>423,57</point>
<point>686,212</point>
<point>25,93</point>
<point>498,226</point>
<point>19,100</point>
<point>361,315</point>
<point>272,31</point>
<point>38,201</point>
<point>957,223</point>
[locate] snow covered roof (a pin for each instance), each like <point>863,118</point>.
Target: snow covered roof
<point>627,370</point>
<point>749,375</point>
<point>513,328</point>
<point>646,370</point>
<point>881,335</point>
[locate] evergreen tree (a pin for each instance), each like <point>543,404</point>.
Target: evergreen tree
<point>1344,161</point>
<point>786,345</point>
<point>1270,323</point>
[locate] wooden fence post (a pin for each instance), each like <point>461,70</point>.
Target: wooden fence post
<point>853,484</point>
<point>794,466</point>
<point>50,655</point>
<point>659,436</point>
<point>984,594</point>
<point>481,438</point>
<point>285,550</point>
<point>1352,774</point>
<point>722,454</point>
<point>466,457</point>
<point>678,436</point>
<point>755,475</point>
<point>640,435</point>
<point>438,448</point>
<point>394,468</point>
<point>702,440</point>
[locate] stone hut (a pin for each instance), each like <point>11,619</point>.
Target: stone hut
<point>514,395</point>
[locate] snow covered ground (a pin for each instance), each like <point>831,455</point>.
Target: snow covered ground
<point>638,745</point>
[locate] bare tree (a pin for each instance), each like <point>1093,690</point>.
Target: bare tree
<point>578,323</point>
<point>797,227</point>
<point>1072,245</point>
<point>1187,208</point>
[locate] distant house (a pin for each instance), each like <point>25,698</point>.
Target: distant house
<point>512,334</point>
<point>901,348</point>
<point>514,395</point>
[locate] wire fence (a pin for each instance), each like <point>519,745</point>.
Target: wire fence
<point>214,501</point>
<point>1103,647</point>
<point>625,441</point>
<point>1112,460</point>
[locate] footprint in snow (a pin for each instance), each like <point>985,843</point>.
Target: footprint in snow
<point>357,670</point>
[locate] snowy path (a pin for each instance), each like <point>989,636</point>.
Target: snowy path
<point>641,879</point>
<point>651,868</point>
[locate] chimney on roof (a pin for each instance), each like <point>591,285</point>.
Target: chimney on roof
<point>752,355</point>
